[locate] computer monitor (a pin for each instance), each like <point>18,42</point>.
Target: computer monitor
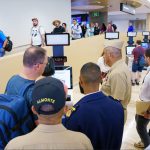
<point>111,35</point>
<point>145,45</point>
<point>62,39</point>
<point>131,34</point>
<point>145,33</point>
<point>129,49</point>
<point>64,73</point>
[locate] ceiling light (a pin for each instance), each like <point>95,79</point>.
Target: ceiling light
<point>98,2</point>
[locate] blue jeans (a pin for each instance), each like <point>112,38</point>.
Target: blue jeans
<point>2,52</point>
<point>141,126</point>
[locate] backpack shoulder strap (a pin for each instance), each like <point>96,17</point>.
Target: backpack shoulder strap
<point>140,53</point>
<point>24,89</point>
<point>2,138</point>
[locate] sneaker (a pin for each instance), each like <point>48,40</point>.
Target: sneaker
<point>139,145</point>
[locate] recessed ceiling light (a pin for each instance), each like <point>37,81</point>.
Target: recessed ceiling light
<point>98,2</point>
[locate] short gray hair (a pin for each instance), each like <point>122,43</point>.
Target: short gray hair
<point>115,51</point>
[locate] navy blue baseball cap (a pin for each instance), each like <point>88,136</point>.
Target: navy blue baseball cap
<point>48,96</point>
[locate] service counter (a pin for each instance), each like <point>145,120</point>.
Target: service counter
<point>78,53</point>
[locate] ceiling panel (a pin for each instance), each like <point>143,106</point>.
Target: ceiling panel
<point>107,5</point>
<point>89,5</point>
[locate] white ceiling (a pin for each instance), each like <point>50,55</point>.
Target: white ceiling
<point>112,6</point>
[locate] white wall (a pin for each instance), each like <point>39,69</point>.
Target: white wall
<point>122,20</point>
<point>15,17</point>
<point>122,25</point>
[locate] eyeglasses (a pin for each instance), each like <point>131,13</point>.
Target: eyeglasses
<point>44,63</point>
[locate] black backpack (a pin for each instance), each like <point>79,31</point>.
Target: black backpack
<point>115,27</point>
<point>50,67</point>
<point>9,45</point>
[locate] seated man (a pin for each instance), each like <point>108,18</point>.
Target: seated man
<point>34,62</point>
<point>49,99</point>
<point>96,114</point>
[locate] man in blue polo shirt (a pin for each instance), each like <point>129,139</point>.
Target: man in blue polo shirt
<point>96,115</point>
<point>3,42</point>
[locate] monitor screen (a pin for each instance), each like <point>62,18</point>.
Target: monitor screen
<point>133,34</point>
<point>64,73</point>
<point>78,18</point>
<point>145,45</point>
<point>129,49</point>
<point>146,33</point>
<point>57,39</point>
<point>111,35</point>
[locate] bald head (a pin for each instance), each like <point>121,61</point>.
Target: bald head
<point>90,73</point>
<point>34,55</point>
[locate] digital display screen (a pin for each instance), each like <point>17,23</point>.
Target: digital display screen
<point>57,39</point>
<point>133,34</point>
<point>79,20</point>
<point>146,33</point>
<point>145,45</point>
<point>129,50</point>
<point>111,35</point>
<point>64,74</point>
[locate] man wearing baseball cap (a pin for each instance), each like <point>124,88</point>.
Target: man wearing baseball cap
<point>49,100</point>
<point>37,34</point>
<point>118,80</point>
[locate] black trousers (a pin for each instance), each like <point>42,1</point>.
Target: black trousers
<point>141,126</point>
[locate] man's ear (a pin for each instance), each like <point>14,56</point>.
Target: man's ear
<point>33,110</point>
<point>36,66</point>
<point>80,81</point>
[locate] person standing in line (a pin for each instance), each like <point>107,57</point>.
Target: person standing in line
<point>84,29</point>
<point>103,28</point>
<point>104,68</point>
<point>34,63</point>
<point>3,42</point>
<point>64,25</point>
<point>37,34</point>
<point>142,120</point>
<point>130,28</point>
<point>96,114</point>
<point>109,28</point>
<point>48,99</point>
<point>76,30</point>
<point>136,67</point>
<point>58,28</point>
<point>118,80</point>
<point>90,30</point>
<point>96,29</point>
